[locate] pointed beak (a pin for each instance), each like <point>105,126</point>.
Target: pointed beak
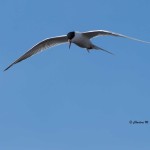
<point>69,43</point>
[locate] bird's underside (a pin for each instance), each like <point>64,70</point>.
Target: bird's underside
<point>86,36</point>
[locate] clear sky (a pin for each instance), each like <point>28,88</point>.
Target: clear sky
<point>65,99</point>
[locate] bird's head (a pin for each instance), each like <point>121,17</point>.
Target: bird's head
<point>70,36</point>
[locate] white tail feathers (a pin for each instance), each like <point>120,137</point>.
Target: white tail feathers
<point>99,48</point>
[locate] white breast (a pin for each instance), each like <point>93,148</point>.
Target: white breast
<point>81,40</point>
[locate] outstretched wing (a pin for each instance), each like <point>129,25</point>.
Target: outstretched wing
<point>50,42</point>
<point>95,33</point>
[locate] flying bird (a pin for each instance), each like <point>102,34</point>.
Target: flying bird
<point>81,39</point>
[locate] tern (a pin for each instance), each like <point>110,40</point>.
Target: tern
<point>81,39</point>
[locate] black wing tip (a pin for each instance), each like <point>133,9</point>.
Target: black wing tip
<point>8,67</point>
<point>111,53</point>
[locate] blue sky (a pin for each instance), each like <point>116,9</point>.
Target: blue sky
<point>65,99</point>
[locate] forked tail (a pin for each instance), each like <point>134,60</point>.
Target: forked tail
<point>98,48</point>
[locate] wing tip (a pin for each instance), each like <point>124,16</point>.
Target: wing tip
<point>8,67</point>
